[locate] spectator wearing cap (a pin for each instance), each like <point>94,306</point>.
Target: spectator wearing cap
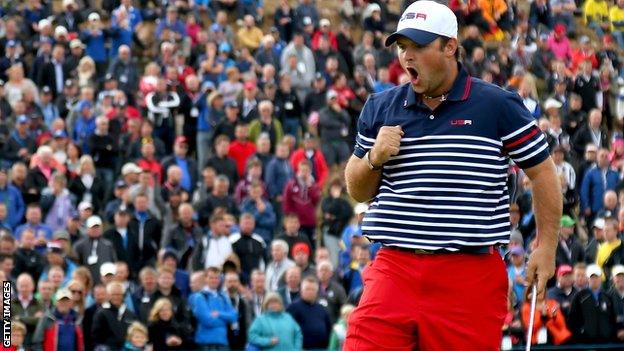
<point>565,290</point>
<point>57,203</point>
<point>70,17</point>
<point>171,27</point>
<point>84,125</point>
<point>569,250</point>
<point>46,104</point>
<point>11,57</point>
<point>311,152</point>
<point>306,8</point>
<point>59,328</point>
<point>111,321</point>
<point>94,36</point>
<point>583,53</point>
<point>226,126</point>
<point>301,254</point>
<point>66,101</point>
<point>597,181</point>
<point>334,123</point>
<point>617,291</point>
<point>11,197</point>
<point>596,16</point>
<point>26,258</point>
<point>593,318</point>
<point>325,31</point>
<point>516,271</point>
<point>20,144</point>
<point>93,250</point>
<point>315,99</point>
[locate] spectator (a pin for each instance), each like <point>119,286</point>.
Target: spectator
<point>27,259</point>
<point>57,202</point>
<point>222,162</point>
<point>617,289</point>
<point>142,297</point>
<point>262,210</point>
<point>311,316</point>
<point>166,289</point>
<point>25,308</point>
<point>11,197</point>
<point>87,186</point>
<point>610,251</point>
<point>339,330</point>
<point>237,333</point>
<point>280,263</point>
<point>592,316</point>
<point>292,234</point>
<point>569,250</point>
<point>596,16</point>
<point>214,313</point>
<point>137,337</point>
<point>93,251</point>
<point>291,290</point>
<point>311,152</point>
<point>33,221</point>
<point>214,248</point>
<point>249,35</point>
<point>541,13</point>
<point>219,197</point>
<point>565,290</point>
<point>165,333</point>
<point>275,329</point>
<point>517,272</point>
<point>301,196</point>
<point>550,326</point>
<point>148,230</point>
<point>331,294</point>
<point>596,182</point>
<point>334,123</point>
<point>59,327</point>
<point>253,174</point>
<point>266,123</point>
<point>241,148</point>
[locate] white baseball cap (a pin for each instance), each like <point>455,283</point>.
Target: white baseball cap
<point>108,268</point>
<point>93,221</point>
<point>423,21</point>
<point>617,269</point>
<point>593,269</point>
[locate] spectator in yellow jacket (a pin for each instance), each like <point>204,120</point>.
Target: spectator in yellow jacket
<point>495,13</point>
<point>616,19</point>
<point>596,16</point>
<point>249,36</point>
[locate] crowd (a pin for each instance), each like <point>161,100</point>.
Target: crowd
<point>170,171</point>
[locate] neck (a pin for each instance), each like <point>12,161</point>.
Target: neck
<point>443,89</point>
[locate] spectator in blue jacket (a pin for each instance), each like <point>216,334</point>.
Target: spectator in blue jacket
<point>596,182</point>
<point>261,209</point>
<point>311,316</point>
<point>94,36</point>
<point>214,312</point>
<point>275,329</point>
<point>171,27</point>
<point>85,124</point>
<point>12,198</point>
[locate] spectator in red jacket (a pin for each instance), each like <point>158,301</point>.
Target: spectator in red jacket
<point>312,153</point>
<point>324,31</point>
<point>148,162</point>
<point>241,148</point>
<point>301,197</point>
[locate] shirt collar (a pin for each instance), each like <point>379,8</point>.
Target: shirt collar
<point>459,91</point>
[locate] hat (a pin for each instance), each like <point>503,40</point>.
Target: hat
<point>560,28</point>
<point>324,22</point>
<point>584,39</point>
<point>593,269</point>
<point>55,246</point>
<point>172,8</point>
<point>85,205</point>
<point>543,37</point>
<point>68,2</point>
<point>108,268</point>
<point>1,83</point>
<point>599,223</point>
<point>46,40</point>
<point>76,43</point>
<point>22,119</point>
<point>169,254</point>
<point>60,234</point>
<point>331,94</point>
<point>93,221</point>
<point>517,250</point>
<point>59,134</point>
<point>46,89</point>
<point>249,85</point>
<point>129,168</point>
<point>360,208</point>
<point>11,44</point>
<point>319,76</point>
<point>563,270</point>
<point>215,27</point>
<point>423,21</point>
<point>60,31</point>
<point>63,294</point>
<point>617,269</point>
<point>225,47</point>
<point>69,83</point>
<point>109,76</point>
<point>298,247</point>
<point>232,104</point>
<point>120,184</point>
<point>552,103</point>
<point>307,21</point>
<point>274,30</point>
<point>94,16</point>
<point>82,104</point>
<point>181,140</point>
<point>567,221</point>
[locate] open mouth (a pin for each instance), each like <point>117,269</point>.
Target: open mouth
<point>413,73</point>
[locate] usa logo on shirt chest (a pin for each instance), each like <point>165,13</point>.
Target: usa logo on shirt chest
<point>461,122</point>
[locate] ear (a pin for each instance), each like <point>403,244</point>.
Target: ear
<point>451,47</point>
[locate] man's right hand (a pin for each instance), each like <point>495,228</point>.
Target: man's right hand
<point>387,144</point>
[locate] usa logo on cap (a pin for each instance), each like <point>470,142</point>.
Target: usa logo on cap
<point>424,21</point>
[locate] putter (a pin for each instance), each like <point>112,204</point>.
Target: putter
<point>531,316</point>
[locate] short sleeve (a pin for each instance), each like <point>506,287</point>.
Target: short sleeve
<point>522,140</point>
<point>366,134</point>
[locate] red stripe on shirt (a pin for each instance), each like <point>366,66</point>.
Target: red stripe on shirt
<point>523,139</point>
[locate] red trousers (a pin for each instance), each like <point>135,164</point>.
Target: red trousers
<point>430,302</point>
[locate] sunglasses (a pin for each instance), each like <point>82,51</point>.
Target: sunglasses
<point>76,292</point>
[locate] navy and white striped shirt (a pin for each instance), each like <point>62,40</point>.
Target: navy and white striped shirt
<point>447,187</point>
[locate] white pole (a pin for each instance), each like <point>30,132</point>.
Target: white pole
<point>532,317</point>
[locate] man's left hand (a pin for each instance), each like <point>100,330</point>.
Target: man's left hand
<point>541,266</point>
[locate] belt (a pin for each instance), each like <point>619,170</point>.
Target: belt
<point>477,250</point>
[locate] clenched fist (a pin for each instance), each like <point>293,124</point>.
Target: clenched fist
<point>387,144</point>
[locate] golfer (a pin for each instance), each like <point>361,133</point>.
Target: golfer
<point>433,155</point>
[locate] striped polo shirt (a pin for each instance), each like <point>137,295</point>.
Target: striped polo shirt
<point>447,187</point>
